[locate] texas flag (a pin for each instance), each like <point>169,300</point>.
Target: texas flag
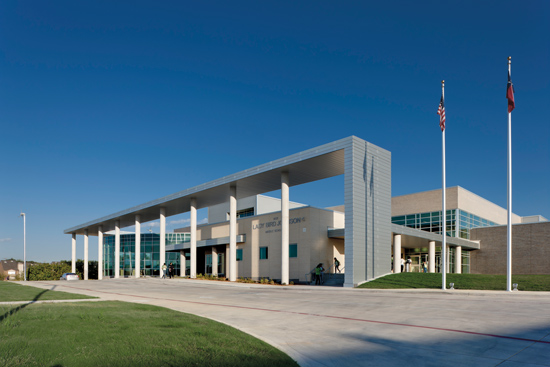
<point>510,94</point>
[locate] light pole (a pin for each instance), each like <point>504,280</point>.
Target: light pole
<point>24,246</point>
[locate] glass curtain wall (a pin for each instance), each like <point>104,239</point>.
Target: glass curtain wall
<point>150,253</point>
<point>459,222</point>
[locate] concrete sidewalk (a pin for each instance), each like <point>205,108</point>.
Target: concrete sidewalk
<point>322,326</point>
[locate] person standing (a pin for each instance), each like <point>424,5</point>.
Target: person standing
<point>402,263</point>
<point>425,266</point>
<point>164,271</point>
<point>336,265</point>
<point>318,275</point>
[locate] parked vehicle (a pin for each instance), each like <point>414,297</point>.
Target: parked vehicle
<point>69,276</point>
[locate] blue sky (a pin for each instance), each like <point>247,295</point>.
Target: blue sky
<point>106,105</point>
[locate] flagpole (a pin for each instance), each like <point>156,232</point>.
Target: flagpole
<point>509,229</point>
<point>443,210</point>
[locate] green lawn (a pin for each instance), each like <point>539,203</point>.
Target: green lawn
<point>11,292</point>
<point>461,281</point>
<point>118,334</point>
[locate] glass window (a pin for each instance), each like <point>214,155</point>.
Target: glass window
<point>263,253</point>
<point>293,250</point>
<point>239,254</point>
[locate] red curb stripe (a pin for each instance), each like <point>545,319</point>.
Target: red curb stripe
<point>326,316</point>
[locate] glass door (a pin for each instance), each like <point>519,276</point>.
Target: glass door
<point>208,264</point>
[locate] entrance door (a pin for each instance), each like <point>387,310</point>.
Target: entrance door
<point>415,265</point>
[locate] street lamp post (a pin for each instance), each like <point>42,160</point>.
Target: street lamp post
<point>24,246</point>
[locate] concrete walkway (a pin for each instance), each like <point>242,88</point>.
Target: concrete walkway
<point>322,326</point>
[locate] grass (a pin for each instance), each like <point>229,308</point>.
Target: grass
<point>12,292</point>
<point>461,281</point>
<point>124,334</point>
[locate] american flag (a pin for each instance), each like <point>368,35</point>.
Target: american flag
<point>441,113</point>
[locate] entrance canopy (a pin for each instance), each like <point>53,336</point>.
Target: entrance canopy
<point>311,165</point>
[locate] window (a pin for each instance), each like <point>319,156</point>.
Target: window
<point>263,253</point>
<point>293,250</point>
<point>239,254</point>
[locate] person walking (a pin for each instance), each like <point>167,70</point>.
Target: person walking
<point>164,271</point>
<point>171,271</point>
<point>336,265</point>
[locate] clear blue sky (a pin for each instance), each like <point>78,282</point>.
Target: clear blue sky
<point>105,105</point>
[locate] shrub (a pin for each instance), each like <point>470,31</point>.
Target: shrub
<point>48,271</point>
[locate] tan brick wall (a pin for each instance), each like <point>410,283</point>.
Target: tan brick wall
<point>422,202</point>
<point>530,249</point>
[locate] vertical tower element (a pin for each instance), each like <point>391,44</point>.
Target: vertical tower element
<point>117,249</point>
<point>100,264</point>
<point>73,256</point>
<point>137,242</point>
<point>367,196</point>
<point>162,249</point>
<point>397,253</point>
<point>85,254</point>
<point>233,234</point>
<point>284,227</point>
<point>193,270</point>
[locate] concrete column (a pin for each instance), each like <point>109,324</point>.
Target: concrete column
<point>86,254</point>
<point>458,259</point>
<point>431,257</point>
<point>396,253</point>
<point>117,249</point>
<point>214,261</point>
<point>99,252</point>
<point>73,256</point>
<point>233,234</point>
<point>137,242</point>
<point>162,249</point>
<point>193,265</point>
<point>285,196</point>
<point>182,263</point>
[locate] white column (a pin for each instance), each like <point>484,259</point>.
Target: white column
<point>233,234</point>
<point>285,196</point>
<point>431,257</point>
<point>73,256</point>
<point>117,249</point>
<point>214,261</point>
<point>458,259</point>
<point>137,242</point>
<point>85,254</point>
<point>99,252</point>
<point>447,259</point>
<point>162,234</point>
<point>193,265</point>
<point>182,263</point>
<point>397,253</point>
